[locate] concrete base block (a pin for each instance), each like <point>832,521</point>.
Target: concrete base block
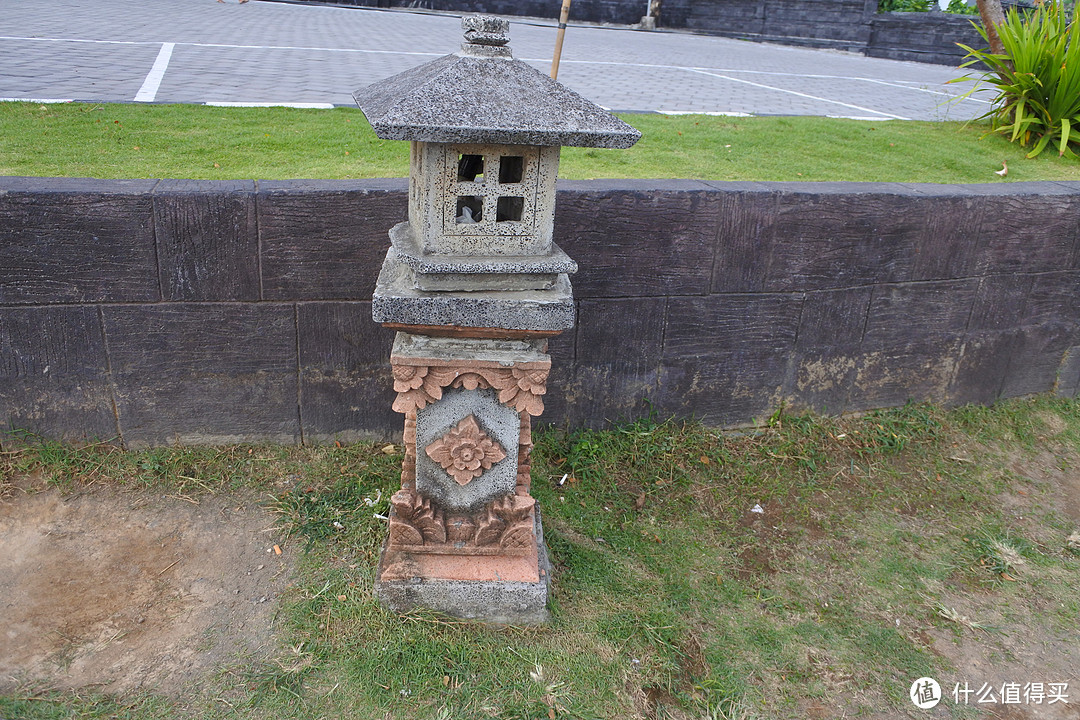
<point>492,601</point>
<point>449,272</point>
<point>397,301</point>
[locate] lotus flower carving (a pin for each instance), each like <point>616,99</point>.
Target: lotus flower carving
<point>465,452</point>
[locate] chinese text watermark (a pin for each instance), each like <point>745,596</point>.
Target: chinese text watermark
<point>926,693</point>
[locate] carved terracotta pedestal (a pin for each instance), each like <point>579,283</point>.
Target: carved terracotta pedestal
<point>465,536</point>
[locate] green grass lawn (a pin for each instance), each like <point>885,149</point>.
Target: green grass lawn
<point>198,142</point>
<point>906,543</point>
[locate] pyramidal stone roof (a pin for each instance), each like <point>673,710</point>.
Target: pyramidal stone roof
<point>483,95</point>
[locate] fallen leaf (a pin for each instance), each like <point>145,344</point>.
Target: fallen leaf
<point>640,502</point>
<point>551,710</point>
<point>704,460</point>
<point>341,598</point>
<point>389,450</point>
<point>446,680</point>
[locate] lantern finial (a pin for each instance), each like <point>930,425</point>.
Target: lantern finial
<point>485,36</point>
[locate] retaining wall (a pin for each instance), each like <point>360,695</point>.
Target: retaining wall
<point>182,311</point>
<point>841,24</point>
<point>923,37</point>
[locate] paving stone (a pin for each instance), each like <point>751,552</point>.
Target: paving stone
<point>284,52</point>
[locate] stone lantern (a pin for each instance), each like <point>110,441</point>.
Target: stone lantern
<point>475,285</point>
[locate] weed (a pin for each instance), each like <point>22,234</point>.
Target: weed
<point>286,673</point>
<point>1000,553</point>
<point>1072,543</point>
<point>320,513</point>
<point>951,614</point>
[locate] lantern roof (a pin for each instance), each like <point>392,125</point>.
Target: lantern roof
<point>483,95</point>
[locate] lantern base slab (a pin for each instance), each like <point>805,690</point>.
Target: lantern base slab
<point>396,300</point>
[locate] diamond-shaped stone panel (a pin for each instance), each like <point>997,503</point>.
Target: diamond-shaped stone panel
<point>438,420</point>
<point>465,451</point>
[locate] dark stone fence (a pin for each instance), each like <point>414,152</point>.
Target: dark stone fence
<point>181,311</point>
<point>841,24</point>
<point>923,37</point>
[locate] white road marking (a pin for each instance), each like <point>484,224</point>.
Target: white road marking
<point>225,45</point>
<point>43,101</point>
<point>718,113</point>
<point>799,94</point>
<point>902,84</point>
<point>301,105</point>
<point>150,85</point>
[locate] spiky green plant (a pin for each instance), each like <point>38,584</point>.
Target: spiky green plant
<point>1037,79</point>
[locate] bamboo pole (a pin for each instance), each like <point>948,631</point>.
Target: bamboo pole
<point>564,14</point>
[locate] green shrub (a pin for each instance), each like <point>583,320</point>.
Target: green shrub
<point>1037,79</point>
<point>904,5</point>
<point>959,7</point>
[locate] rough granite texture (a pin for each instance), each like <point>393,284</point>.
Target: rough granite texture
<point>396,300</point>
<point>462,98</point>
<point>444,178</point>
<point>500,282</point>
<point>440,349</point>
<point>409,252</point>
<point>498,603</point>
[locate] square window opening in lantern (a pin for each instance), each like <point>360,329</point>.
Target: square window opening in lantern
<point>511,169</point>
<point>509,209</point>
<point>470,209</point>
<point>470,168</point>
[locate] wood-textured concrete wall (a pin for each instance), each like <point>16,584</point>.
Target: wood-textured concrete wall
<point>202,312</point>
<point>843,24</point>
<point>923,37</point>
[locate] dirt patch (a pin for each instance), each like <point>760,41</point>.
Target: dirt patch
<point>1059,469</point>
<point>126,591</point>
<point>1020,656</point>
<point>1018,651</point>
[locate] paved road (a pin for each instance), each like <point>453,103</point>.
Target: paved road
<point>202,51</point>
